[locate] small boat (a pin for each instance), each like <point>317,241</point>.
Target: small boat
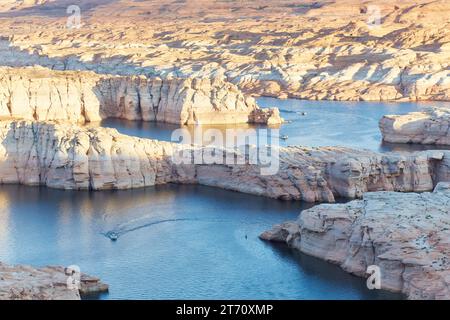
<point>112,235</point>
<point>284,137</point>
<point>302,113</point>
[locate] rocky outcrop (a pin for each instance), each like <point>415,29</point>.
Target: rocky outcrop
<point>67,156</point>
<point>431,126</point>
<point>407,235</point>
<point>43,94</point>
<point>49,283</point>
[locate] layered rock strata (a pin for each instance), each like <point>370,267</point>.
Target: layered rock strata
<point>406,235</point>
<point>49,283</point>
<point>67,156</point>
<point>431,126</point>
<point>42,94</point>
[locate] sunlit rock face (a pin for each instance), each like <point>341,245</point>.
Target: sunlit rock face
<point>43,94</point>
<point>66,156</point>
<point>406,235</point>
<point>431,126</point>
<point>335,50</point>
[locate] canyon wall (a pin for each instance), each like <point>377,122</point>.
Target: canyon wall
<point>406,235</point>
<point>42,94</point>
<point>431,126</point>
<point>67,156</point>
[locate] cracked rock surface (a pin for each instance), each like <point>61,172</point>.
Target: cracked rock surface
<point>431,126</point>
<point>48,283</point>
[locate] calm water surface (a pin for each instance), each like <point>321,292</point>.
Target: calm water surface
<point>325,123</point>
<point>190,242</point>
<point>174,242</point>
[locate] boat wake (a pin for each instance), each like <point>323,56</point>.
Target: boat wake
<point>137,224</point>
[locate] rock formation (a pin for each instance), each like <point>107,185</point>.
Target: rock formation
<point>67,156</point>
<point>431,126</point>
<point>43,94</point>
<point>186,63</point>
<point>407,235</point>
<point>309,49</point>
<point>49,283</point>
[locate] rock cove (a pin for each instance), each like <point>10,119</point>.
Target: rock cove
<point>405,234</point>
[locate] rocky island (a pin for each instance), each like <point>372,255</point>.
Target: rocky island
<point>49,283</point>
<point>431,126</point>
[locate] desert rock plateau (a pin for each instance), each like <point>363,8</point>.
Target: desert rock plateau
<point>342,50</point>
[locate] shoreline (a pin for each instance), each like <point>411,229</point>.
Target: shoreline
<point>406,100</point>
<point>404,235</point>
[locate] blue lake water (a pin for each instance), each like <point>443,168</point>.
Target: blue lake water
<point>190,242</point>
<point>325,123</point>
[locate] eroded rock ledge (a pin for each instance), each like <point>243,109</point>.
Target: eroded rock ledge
<point>431,126</point>
<point>407,235</point>
<point>67,156</point>
<point>49,283</point>
<point>38,93</point>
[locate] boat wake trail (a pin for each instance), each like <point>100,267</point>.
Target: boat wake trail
<point>137,224</point>
<point>287,111</point>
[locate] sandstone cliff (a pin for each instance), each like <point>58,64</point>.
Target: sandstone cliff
<point>61,155</point>
<point>43,94</point>
<point>405,234</point>
<point>431,126</point>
